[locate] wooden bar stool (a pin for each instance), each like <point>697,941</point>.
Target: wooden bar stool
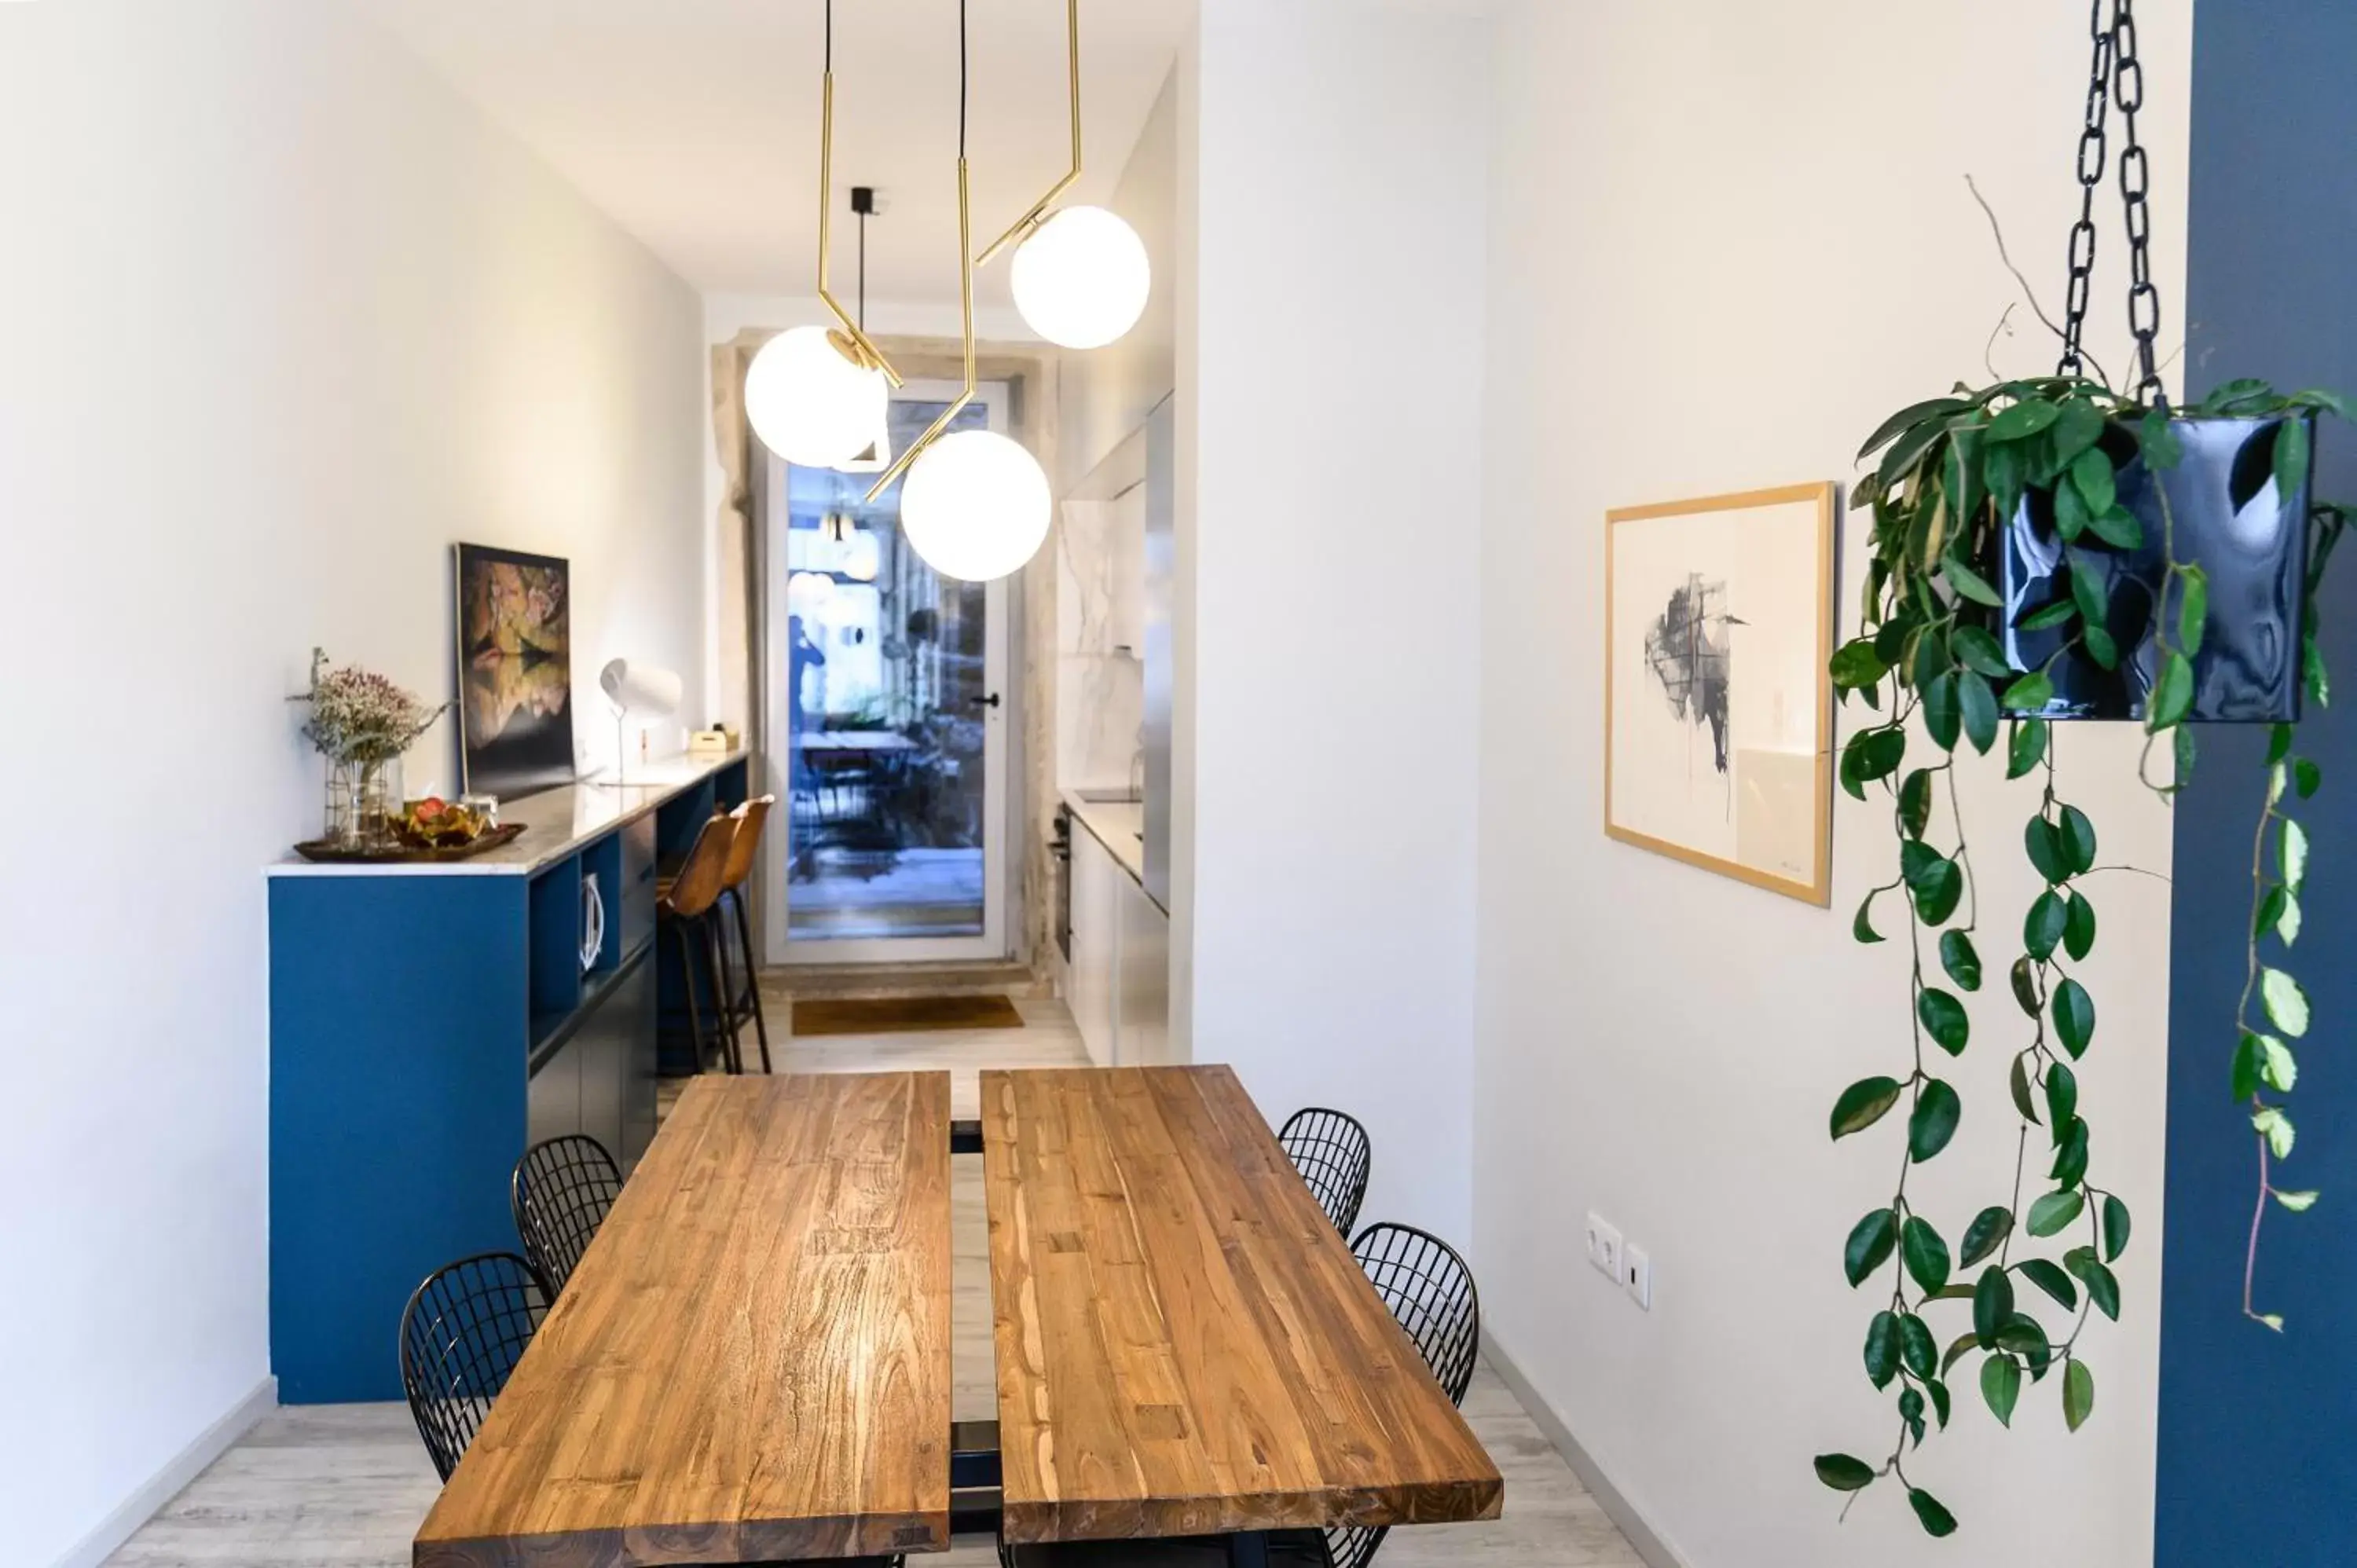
<point>744,859</point>
<point>684,906</point>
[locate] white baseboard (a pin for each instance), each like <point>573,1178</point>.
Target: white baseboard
<point>167,1483</point>
<point>1633,1525</point>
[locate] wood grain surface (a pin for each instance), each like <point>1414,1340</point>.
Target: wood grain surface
<point>752,1362</point>
<point>1185,1347</point>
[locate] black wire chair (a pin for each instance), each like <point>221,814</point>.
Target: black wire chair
<point>562,1192</point>
<point>461,1335</point>
<point>1334,1156</point>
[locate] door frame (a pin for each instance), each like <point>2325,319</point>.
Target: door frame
<point>1002,744</point>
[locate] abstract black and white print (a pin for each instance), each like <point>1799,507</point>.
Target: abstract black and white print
<point>1692,655</point>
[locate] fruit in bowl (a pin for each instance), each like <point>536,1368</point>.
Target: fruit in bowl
<point>436,823</point>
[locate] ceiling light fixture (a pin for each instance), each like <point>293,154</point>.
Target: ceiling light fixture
<point>879,452</point>
<point>976,506</point>
<point>1080,275</point>
<point>816,396</point>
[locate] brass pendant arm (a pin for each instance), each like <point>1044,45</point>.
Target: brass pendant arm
<point>918,447</point>
<point>867,352</point>
<point>1038,211</point>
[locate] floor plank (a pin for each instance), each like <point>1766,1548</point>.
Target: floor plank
<point>347,1486</point>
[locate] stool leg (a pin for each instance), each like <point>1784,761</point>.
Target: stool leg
<point>752,976</point>
<point>716,956</point>
<point>687,984</point>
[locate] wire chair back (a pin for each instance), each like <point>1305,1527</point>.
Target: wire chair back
<point>562,1192</point>
<point>461,1335</point>
<point>1430,1291</point>
<point>1334,1155</point>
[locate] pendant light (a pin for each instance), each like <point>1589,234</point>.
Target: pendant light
<point>976,506</point>
<point>877,453</point>
<point>816,396</point>
<point>1080,275</point>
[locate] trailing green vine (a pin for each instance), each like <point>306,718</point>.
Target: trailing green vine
<point>1941,658</point>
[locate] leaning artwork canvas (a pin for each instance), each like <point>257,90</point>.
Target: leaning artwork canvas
<point>516,671</point>
<point>1718,622</point>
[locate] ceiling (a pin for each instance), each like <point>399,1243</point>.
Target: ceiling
<point>695,123</point>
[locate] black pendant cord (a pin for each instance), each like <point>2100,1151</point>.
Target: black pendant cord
<point>2116,78</point>
<point>964,76</point>
<point>830,37</point>
<point>863,269</point>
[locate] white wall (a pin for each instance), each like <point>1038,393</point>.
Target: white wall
<point>1335,432</point>
<point>285,319</point>
<point>1726,240</point>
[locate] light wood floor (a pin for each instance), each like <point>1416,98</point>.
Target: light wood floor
<point>346,1486</point>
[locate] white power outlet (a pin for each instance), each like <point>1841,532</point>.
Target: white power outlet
<point>1604,1246</point>
<point>1637,1276</point>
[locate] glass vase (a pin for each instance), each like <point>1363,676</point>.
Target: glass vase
<point>363,803</point>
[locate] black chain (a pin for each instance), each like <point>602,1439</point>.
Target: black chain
<point>2116,77</point>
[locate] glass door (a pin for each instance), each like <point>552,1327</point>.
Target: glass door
<point>889,720</point>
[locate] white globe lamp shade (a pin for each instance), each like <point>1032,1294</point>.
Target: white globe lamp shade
<point>975,506</point>
<point>1083,278</point>
<point>807,595</point>
<point>809,404</point>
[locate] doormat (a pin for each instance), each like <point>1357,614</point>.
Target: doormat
<point>903,1015</point>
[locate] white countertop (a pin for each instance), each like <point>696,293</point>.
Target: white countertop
<point>555,822</point>
<point>1119,825</point>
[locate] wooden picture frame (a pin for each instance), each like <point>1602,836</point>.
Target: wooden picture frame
<point>1701,763</point>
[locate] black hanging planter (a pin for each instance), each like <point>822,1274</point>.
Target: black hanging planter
<point>2228,515</point>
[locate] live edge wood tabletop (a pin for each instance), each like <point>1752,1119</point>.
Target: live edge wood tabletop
<point>752,1361</point>
<point>1185,1345</point>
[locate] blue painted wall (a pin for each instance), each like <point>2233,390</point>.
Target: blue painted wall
<point>2258,1435</point>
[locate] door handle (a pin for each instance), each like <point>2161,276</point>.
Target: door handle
<point>989,702</point>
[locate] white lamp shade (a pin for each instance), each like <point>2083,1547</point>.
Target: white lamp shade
<point>808,594</point>
<point>975,506</point>
<point>641,689</point>
<point>1082,280</point>
<point>811,405</point>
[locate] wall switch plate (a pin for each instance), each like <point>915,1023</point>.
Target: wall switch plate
<point>1637,1276</point>
<point>1603,1246</point>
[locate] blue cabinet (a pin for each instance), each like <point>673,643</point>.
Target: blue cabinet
<point>427,1024</point>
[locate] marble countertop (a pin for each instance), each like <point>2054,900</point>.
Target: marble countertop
<point>1119,825</point>
<point>556,822</point>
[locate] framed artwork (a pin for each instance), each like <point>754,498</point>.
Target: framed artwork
<point>516,671</point>
<point>1718,709</point>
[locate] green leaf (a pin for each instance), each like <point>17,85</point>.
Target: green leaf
<point>2078,927</point>
<point>1961,1346</point>
<point>1862,1104</point>
<point>2070,1153</point>
<point>2271,908</point>
<point>2029,694</point>
<point>2236,393</point>
<point>2309,775</point>
<point>1933,1122</point>
<point>2021,1333</point>
<point>1937,897</point>
<point>1937,1522</point>
<point>1985,1235</point>
<point>1883,751</point>
<point>2044,842</point>
<point>2194,611</point>
<point>1979,701</point>
<point>2294,855</point>
<point>2159,442</point>
<point>1856,663</point>
<point>2005,471</point>
<point>2087,589</point>
<point>2053,1213</point>
<point>1945,1019</point>
<point>1979,650</point>
<point>2078,427</point>
<point>1943,717</point>
<point>2118,528</point>
<point>2279,1065</point>
<point>1915,803</point>
<point>1925,1253</point>
<point>1917,1350</point>
<point>2078,840</point>
<point>2272,1124</point>
<point>1961,959</point>
<point>1970,583</point>
<point>1862,927</point>
<point>2025,988</point>
<point>2102,1285</point>
<point>2279,739</point>
<point>2071,517</point>
<point>2298,1202</point>
<point>1933,410</point>
<point>2074,1018</point>
<point>2317,397</point>
<point>1844,1473</point>
<point>2250,1061</point>
<point>2001,1387</point>
<point>1882,1348</point>
<point>2058,613</point>
<point>2115,1229</point>
<point>2017,1081</point>
<point>2042,929</point>
<point>2317,680</point>
<point>2172,694</point>
<point>2287,1004</point>
<point>2028,748</point>
<point>2061,1094</point>
<point>1939,1392</point>
<point>2102,646</point>
<point>2078,1393</point>
<point>1910,1411</point>
<point>1992,1304</point>
<point>2051,1278</point>
<point>2287,922</point>
<point>2092,477</point>
<point>2022,421</point>
<point>2291,458</point>
<point>1871,1242</point>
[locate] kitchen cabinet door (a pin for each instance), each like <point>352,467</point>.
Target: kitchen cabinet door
<point>1096,940</point>
<point>1142,1018</point>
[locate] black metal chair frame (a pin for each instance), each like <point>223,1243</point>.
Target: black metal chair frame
<point>465,1327</point>
<point>743,999</point>
<point>561,1192</point>
<point>1334,1155</point>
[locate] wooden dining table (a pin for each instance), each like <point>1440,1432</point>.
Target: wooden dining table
<point>752,1361</point>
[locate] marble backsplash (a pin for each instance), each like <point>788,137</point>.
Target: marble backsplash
<point>1099,613</point>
